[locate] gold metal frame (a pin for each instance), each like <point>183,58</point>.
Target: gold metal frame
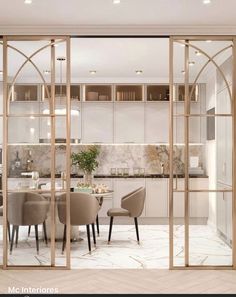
<point>52,116</point>
<point>232,95</point>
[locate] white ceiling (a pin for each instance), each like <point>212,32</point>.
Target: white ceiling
<point>114,59</point>
<point>128,12</point>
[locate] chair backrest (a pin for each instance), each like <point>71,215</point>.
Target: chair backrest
<point>26,208</point>
<point>134,202</point>
<point>83,209</point>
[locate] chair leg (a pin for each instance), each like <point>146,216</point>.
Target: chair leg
<point>9,231</point>
<point>12,238</point>
<point>64,240</point>
<point>110,229</point>
<point>29,230</point>
<point>17,234</point>
<point>45,232</point>
<point>37,238</point>
<point>136,227</point>
<point>97,224</point>
<point>94,235</point>
<point>88,235</point>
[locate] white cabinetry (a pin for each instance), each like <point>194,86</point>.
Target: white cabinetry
<point>23,129</point>
<point>198,201</point>
<point>157,122</point>
<point>157,198</point>
<point>129,122</point>
<point>97,122</point>
<point>123,186</point>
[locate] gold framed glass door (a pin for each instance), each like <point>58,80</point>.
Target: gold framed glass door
<point>31,187</point>
<point>202,145</point>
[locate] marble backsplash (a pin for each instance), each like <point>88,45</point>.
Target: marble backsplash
<point>149,157</point>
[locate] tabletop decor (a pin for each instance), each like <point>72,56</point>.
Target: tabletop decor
<point>86,160</point>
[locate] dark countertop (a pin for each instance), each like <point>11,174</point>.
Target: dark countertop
<point>121,176</point>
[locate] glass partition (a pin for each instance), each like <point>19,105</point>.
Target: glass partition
<point>34,126</point>
<point>202,121</point>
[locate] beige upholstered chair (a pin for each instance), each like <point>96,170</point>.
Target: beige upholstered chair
<point>83,211</point>
<point>131,206</point>
<point>25,209</point>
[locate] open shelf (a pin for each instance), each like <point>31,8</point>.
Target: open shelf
<point>180,92</point>
<point>98,93</point>
<point>158,93</point>
<point>60,92</point>
<point>129,93</point>
<point>24,92</point>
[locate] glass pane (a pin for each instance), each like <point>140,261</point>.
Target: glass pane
<point>210,231</point>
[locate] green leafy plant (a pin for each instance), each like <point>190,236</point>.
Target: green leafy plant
<point>86,160</point>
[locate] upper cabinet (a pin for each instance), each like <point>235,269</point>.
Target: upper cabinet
<point>129,93</point>
<point>98,93</point>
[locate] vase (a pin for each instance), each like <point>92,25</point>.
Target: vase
<point>88,178</point>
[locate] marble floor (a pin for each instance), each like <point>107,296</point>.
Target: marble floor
<point>206,248</point>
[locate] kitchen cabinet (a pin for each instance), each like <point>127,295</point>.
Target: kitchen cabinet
<point>23,129</point>
<point>198,201</point>
<point>97,122</point>
<point>157,122</point>
<point>98,93</point>
<point>224,215</point>
<point>129,122</point>
<point>157,198</point>
<point>125,186</point>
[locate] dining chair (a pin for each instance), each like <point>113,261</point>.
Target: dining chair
<point>131,206</point>
<point>29,228</point>
<point>1,215</point>
<point>83,211</point>
<point>26,209</point>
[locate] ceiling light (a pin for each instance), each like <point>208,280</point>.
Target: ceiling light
<point>32,117</point>
<point>198,53</point>
<point>28,1</point>
<point>183,72</point>
<point>191,63</point>
<point>1,72</point>
<point>92,71</point>
<point>116,1</point>
<point>208,41</point>
<point>46,72</point>
<point>206,1</point>
<point>138,72</point>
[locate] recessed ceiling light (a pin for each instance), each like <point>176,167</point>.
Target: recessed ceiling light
<point>191,63</point>
<point>139,72</point>
<point>198,53</point>
<point>208,41</point>
<point>1,72</point>
<point>28,1</point>
<point>46,72</point>
<point>116,1</point>
<point>206,1</point>
<point>92,71</point>
<point>183,72</point>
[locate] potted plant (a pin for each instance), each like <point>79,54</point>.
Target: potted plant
<point>86,160</point>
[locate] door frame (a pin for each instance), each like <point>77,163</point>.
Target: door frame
<point>6,98</point>
<point>185,41</point>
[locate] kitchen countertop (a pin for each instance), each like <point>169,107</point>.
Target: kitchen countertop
<point>122,176</point>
